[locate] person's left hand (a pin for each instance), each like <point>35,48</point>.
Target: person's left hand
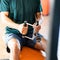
<point>37,28</point>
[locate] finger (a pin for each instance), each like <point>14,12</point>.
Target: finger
<point>24,29</point>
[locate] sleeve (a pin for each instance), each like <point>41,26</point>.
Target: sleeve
<point>39,8</point>
<point>4,5</point>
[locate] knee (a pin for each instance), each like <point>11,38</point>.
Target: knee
<point>44,43</point>
<point>13,44</point>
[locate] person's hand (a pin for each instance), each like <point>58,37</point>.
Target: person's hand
<point>23,29</point>
<point>36,28</point>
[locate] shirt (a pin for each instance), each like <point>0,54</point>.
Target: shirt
<point>20,11</point>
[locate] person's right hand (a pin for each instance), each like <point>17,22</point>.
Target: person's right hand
<point>23,29</point>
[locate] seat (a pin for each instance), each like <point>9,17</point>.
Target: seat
<point>30,54</point>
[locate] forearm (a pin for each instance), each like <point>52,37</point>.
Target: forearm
<point>38,16</point>
<point>8,22</point>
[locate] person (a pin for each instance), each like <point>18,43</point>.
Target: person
<point>13,14</point>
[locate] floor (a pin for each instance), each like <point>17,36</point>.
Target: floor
<point>44,31</point>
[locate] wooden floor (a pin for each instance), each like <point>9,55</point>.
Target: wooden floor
<point>34,55</point>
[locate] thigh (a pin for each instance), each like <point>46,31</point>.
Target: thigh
<point>42,44</point>
<point>12,39</point>
<point>13,43</point>
<point>38,45</point>
<point>31,43</point>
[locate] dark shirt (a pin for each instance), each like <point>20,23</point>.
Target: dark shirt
<point>20,11</point>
